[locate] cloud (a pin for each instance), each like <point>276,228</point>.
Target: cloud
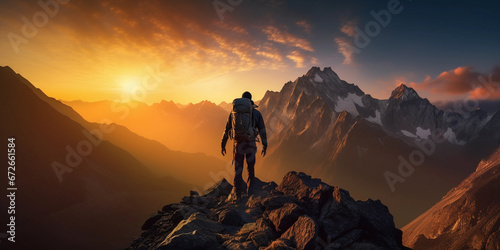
<point>280,36</point>
<point>348,28</point>
<point>305,26</point>
<point>344,42</point>
<point>345,49</point>
<point>464,80</point>
<point>298,58</point>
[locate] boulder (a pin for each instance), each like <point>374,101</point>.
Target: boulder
<point>221,188</point>
<point>345,240</point>
<point>280,244</point>
<point>262,188</point>
<point>303,233</point>
<point>196,239</point>
<point>298,184</point>
<point>263,234</point>
<point>339,215</point>
<point>378,225</point>
<point>277,201</point>
<point>284,217</point>
<point>197,229</point>
<point>230,217</point>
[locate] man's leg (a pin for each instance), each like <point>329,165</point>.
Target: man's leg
<point>238,170</point>
<point>250,157</point>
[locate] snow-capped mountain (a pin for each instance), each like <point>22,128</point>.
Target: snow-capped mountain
<point>352,139</point>
<point>404,113</point>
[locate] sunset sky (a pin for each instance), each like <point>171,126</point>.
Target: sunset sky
<point>189,51</point>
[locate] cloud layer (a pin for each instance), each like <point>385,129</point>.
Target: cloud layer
<point>464,80</point>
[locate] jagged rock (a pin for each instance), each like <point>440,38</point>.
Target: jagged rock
<point>221,188</point>
<point>284,217</point>
<point>151,220</point>
<point>303,233</point>
<point>263,233</point>
<point>299,185</point>
<point>300,213</point>
<point>345,240</point>
<point>232,244</point>
<point>277,201</point>
<point>192,240</point>
<point>280,244</point>
<point>260,187</point>
<point>340,214</point>
<point>197,231</point>
<point>230,217</point>
<point>378,224</point>
<point>318,197</point>
<point>254,201</point>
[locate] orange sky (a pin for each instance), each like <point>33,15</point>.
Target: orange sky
<point>94,50</point>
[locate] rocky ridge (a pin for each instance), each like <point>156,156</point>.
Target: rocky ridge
<point>300,213</point>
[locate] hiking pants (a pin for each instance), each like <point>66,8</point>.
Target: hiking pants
<point>244,150</point>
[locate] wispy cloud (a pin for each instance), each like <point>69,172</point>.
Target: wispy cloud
<point>344,42</point>
<point>297,57</point>
<point>281,36</point>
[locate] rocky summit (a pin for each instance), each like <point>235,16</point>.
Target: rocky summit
<point>300,213</point>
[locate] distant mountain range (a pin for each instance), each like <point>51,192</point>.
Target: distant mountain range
<point>95,190</point>
<point>189,128</point>
<point>85,166</point>
<point>327,127</point>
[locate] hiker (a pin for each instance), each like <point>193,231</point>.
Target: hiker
<point>243,125</point>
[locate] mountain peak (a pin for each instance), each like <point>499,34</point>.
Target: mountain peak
<point>313,71</point>
<point>404,92</point>
<point>318,75</point>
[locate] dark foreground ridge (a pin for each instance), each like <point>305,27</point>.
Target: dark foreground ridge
<point>300,213</point>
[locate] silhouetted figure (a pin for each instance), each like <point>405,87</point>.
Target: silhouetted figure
<point>243,125</point>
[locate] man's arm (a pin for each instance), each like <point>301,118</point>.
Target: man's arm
<point>261,127</point>
<point>225,136</point>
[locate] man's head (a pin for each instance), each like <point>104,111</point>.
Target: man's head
<point>247,95</point>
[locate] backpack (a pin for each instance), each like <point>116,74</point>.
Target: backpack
<point>243,128</point>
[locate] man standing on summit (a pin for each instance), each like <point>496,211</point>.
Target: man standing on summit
<point>243,125</point>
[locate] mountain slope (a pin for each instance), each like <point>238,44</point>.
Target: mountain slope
<point>468,216</point>
<point>72,193</point>
<point>192,128</point>
<point>325,126</point>
<point>193,168</point>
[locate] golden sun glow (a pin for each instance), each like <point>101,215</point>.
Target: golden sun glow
<point>129,84</point>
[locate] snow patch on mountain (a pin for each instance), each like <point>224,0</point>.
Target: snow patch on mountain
<point>349,104</point>
<point>317,78</point>
<point>408,134</point>
<point>452,138</point>
<point>423,133</point>
<point>377,119</point>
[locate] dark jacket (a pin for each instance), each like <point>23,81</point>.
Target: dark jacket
<point>259,125</point>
